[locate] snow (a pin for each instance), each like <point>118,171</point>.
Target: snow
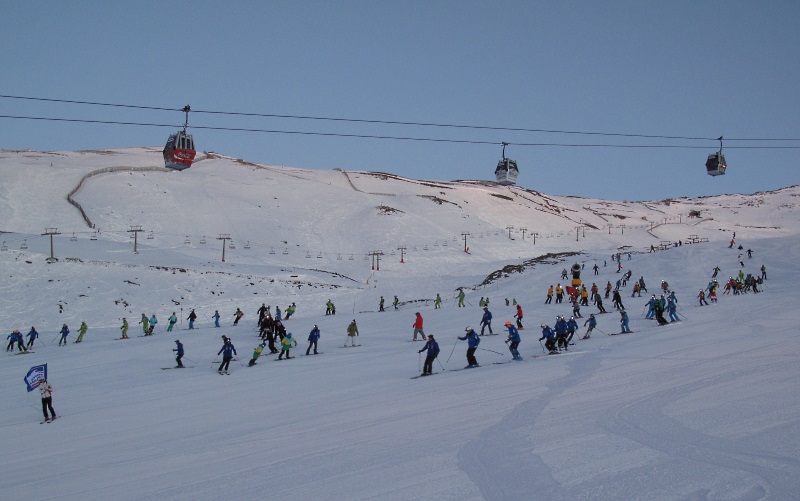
<point>703,409</point>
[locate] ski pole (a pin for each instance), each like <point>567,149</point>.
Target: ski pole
<point>419,361</point>
<point>484,349</point>
<point>601,332</point>
<point>540,344</point>
<point>440,364</point>
<point>451,352</point>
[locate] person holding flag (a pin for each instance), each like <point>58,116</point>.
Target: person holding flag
<point>46,390</point>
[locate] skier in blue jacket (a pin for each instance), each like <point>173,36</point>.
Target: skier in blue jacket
<point>592,324</point>
<point>572,327</point>
<point>550,339</point>
<point>64,332</point>
<point>313,337</point>
<point>651,307</point>
<point>178,354</point>
<point>513,341</point>
<point>32,335</point>
<point>486,321</point>
<point>473,341</point>
<point>561,328</point>
<point>623,321</point>
<point>432,348</point>
<point>227,351</point>
<point>673,316</point>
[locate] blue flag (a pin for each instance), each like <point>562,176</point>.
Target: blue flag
<point>35,376</point>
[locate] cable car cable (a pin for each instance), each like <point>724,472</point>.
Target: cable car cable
<point>393,122</point>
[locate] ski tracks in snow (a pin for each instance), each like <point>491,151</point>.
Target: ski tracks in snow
<point>502,461</point>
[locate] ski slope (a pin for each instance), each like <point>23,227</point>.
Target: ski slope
<point>706,408</point>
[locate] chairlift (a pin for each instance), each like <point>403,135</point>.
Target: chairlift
<point>308,255</point>
<point>203,240</point>
<point>247,245</point>
<point>415,248</point>
<point>73,238</point>
<point>231,246</point>
<point>3,247</point>
<point>271,250</point>
<point>150,236</point>
<point>338,257</point>
<point>715,164</point>
<point>506,172</point>
<point>24,245</point>
<point>351,258</point>
<point>285,251</point>
<point>319,256</point>
<point>94,236</point>
<point>436,243</point>
<point>426,247</point>
<point>392,253</point>
<point>179,151</point>
<point>187,241</point>
<point>444,244</point>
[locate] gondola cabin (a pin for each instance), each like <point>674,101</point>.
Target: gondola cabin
<point>179,151</point>
<point>715,164</point>
<point>506,171</point>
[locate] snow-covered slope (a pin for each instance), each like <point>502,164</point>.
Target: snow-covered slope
<point>702,409</point>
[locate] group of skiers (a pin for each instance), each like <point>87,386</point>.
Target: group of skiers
<point>17,338</point>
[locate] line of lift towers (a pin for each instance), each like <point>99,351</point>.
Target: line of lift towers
<point>179,153</point>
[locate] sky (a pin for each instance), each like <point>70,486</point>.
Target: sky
<point>678,69</point>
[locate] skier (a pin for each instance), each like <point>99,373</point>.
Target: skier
<point>328,307</point>
<point>380,305</point>
<point>641,284</point>
<point>46,390</point>
<point>124,328</point>
<point>673,316</point>
<point>256,353</point>
<point>514,340</point>
<point>313,338</point>
<point>623,321</point>
<point>659,310</point>
<point>191,318</point>
<point>559,293</point>
<point>749,253</point>
<point>561,332</point>
<point>481,303</point>
<point>437,303</point>
<point>572,326</point>
<point>461,297</point>
<point>290,310</point>
<point>64,332</point>
<point>651,308</point>
<point>395,302</point>
<point>417,325</point>
<point>598,301</point>
<point>486,321</point>
<point>617,300</point>
<point>716,270</point>
<point>576,308</point>
<point>608,289</point>
<point>12,338</point>
<point>518,316</point>
<point>81,331</point>
<point>596,269</point>
<point>262,312</point>
<point>216,318</point>
<point>172,320</point>
<point>352,332</point>
<point>153,322</point>
<point>145,324</point>
<point>278,314</point>
<point>179,354</point>
<point>636,290</point>
<point>473,341</point>
<point>32,335</point>
<point>432,348</point>
<point>286,345</point>
<point>550,339</point>
<point>763,272</point>
<point>237,315</point>
<point>702,298</point>
<point>227,351</point>
<point>549,295</point>
<point>592,324</point>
